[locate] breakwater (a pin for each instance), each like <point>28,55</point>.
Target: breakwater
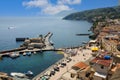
<point>83,34</point>
<point>13,50</point>
<point>21,39</point>
<point>33,45</point>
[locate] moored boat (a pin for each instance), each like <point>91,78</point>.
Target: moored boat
<point>20,75</point>
<point>29,53</point>
<point>24,54</point>
<point>14,55</point>
<point>29,74</point>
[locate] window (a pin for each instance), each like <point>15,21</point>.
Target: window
<point>72,75</point>
<point>102,67</point>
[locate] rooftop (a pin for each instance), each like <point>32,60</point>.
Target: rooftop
<point>102,61</point>
<point>80,65</point>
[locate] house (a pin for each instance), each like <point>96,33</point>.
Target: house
<point>101,65</point>
<point>116,58</point>
<point>78,71</point>
<point>116,72</point>
<point>34,43</point>
<point>112,37</point>
<point>92,43</point>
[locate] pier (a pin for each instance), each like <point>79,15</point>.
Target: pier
<point>12,50</point>
<point>83,34</point>
<point>21,39</point>
<point>33,45</point>
<point>47,41</point>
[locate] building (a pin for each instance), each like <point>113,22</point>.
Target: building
<point>116,72</point>
<point>78,71</point>
<point>101,65</point>
<point>92,43</point>
<point>116,58</point>
<point>34,43</point>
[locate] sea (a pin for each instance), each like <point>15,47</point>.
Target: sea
<point>64,35</point>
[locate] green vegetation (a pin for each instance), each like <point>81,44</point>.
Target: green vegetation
<point>96,14</point>
<point>99,17</point>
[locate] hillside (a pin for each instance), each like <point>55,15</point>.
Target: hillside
<point>96,14</point>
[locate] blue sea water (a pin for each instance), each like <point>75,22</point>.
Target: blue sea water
<point>63,36</point>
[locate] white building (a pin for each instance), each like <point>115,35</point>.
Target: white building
<point>101,67</point>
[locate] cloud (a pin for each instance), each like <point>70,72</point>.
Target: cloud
<point>55,9</point>
<point>51,8</point>
<point>36,3</point>
<point>71,2</point>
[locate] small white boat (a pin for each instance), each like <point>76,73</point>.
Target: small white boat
<point>20,75</point>
<point>29,73</point>
<point>84,42</point>
<point>34,52</point>
<point>14,55</point>
<point>29,53</point>
<point>24,54</point>
<point>12,27</point>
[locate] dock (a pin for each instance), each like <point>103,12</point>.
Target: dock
<point>83,34</point>
<point>35,45</point>
<point>12,50</point>
<point>21,39</point>
<point>47,41</point>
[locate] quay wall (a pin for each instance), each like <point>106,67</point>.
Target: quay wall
<point>48,34</point>
<point>13,50</point>
<point>21,39</point>
<point>48,69</point>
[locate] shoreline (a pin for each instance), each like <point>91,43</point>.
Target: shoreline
<point>43,72</point>
<point>80,56</point>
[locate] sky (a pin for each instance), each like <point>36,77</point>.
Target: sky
<point>49,7</point>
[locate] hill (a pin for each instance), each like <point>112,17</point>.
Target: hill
<point>96,14</point>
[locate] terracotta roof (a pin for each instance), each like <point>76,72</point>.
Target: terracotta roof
<point>80,65</point>
<point>116,67</point>
<point>102,61</point>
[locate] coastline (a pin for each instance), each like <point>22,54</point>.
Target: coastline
<point>50,67</point>
<point>80,56</point>
<point>59,40</point>
<point>43,72</point>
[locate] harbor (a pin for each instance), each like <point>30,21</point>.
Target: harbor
<point>71,56</point>
<point>60,65</point>
<point>41,60</point>
<point>33,45</point>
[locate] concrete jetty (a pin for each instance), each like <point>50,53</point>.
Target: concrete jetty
<point>47,41</point>
<point>12,50</point>
<point>21,39</point>
<point>83,34</point>
<point>33,45</point>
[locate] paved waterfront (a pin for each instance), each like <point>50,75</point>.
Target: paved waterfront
<point>82,55</point>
